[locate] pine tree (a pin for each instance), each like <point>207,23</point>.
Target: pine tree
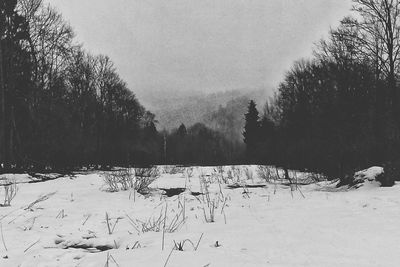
<point>252,131</point>
<point>182,132</point>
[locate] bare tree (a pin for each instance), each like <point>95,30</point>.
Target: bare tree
<point>50,40</point>
<point>378,35</point>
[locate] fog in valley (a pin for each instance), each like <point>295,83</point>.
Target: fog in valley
<point>174,52</point>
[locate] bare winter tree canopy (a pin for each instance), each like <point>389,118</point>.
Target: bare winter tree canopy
<point>209,46</point>
<point>377,32</point>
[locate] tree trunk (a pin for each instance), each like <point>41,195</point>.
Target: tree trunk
<point>3,143</point>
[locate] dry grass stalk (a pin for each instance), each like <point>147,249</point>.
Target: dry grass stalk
<point>40,199</point>
<point>264,172</point>
<point>209,204</point>
<point>110,257</point>
<point>180,245</point>
<point>111,227</point>
<point>169,256</point>
<point>2,237</point>
<point>87,218</point>
<point>61,214</point>
<point>165,216</point>
<point>31,245</point>
<point>160,222</point>
<point>10,191</point>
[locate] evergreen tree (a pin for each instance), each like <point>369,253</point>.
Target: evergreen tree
<point>182,132</point>
<point>252,131</point>
<point>181,146</point>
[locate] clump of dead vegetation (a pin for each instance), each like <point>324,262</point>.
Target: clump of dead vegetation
<point>180,245</point>
<point>234,175</point>
<point>265,173</point>
<point>174,169</point>
<point>166,220</point>
<point>211,201</point>
<point>125,179</point>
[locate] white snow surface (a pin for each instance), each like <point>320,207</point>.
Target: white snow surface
<point>269,226</point>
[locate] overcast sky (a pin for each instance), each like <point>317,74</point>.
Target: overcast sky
<point>205,45</point>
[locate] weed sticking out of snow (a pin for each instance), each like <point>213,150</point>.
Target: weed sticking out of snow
<point>180,245</point>
<point>39,199</point>
<point>10,189</point>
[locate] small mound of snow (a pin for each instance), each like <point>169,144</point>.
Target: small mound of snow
<point>369,174</point>
<point>368,178</point>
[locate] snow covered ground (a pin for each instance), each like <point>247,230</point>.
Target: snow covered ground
<point>253,226</point>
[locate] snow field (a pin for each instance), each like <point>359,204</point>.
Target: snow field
<point>84,225</point>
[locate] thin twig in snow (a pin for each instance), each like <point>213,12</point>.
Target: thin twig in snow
<point>165,220</point>
<point>132,222</point>
<point>31,245</point>
<point>2,236</point>
<point>166,262</point>
<point>198,242</point>
<point>87,218</point>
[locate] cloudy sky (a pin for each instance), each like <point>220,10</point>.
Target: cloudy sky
<point>164,45</point>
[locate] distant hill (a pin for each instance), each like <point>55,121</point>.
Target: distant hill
<point>222,111</point>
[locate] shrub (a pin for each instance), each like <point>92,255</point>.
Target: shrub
<point>144,177</point>
<point>264,172</point>
<point>125,179</point>
<point>118,180</point>
<point>234,175</point>
<point>220,172</point>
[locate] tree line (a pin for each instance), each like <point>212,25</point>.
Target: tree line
<point>201,145</point>
<point>61,106</point>
<point>339,110</point>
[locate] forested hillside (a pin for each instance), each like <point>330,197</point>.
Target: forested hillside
<point>188,108</point>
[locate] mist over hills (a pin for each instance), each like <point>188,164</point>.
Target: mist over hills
<point>222,111</point>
